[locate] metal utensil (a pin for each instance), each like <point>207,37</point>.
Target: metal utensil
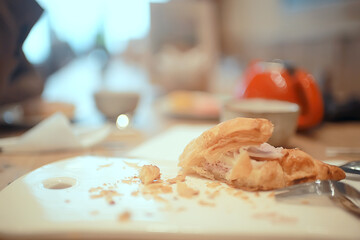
<point>341,193</point>
<point>351,167</point>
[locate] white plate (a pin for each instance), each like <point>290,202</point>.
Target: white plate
<point>29,208</point>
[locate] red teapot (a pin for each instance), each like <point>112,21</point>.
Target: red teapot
<point>281,81</point>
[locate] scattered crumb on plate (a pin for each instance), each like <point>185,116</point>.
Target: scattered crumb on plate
<point>231,190</point>
<point>241,194</point>
<point>271,195</point>
<point>185,191</point>
<point>213,184</point>
<point>178,178</point>
<point>156,188</point>
<point>159,199</point>
<point>104,166</point>
<point>205,203</point>
<point>305,202</point>
<point>130,180</point>
<point>133,165</point>
<point>212,195</point>
<point>135,193</point>
<point>95,189</point>
<point>149,173</point>
<point>107,194</point>
<point>124,217</point>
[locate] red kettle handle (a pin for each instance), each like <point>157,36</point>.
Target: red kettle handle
<point>311,103</point>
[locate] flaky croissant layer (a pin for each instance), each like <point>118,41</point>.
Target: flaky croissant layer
<point>236,152</point>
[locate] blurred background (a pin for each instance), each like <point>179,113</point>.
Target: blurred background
<point>157,47</point>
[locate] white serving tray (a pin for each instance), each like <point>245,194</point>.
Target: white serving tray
<point>29,207</point>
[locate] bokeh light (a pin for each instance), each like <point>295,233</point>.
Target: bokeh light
<point>122,121</point>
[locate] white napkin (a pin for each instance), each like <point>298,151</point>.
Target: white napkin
<point>53,134</point>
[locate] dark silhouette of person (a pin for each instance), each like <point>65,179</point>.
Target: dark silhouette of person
<point>19,80</point>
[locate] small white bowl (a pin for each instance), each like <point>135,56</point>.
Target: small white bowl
<point>284,115</point>
<point>112,104</point>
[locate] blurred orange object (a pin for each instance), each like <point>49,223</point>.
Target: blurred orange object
<point>277,80</point>
<point>191,104</point>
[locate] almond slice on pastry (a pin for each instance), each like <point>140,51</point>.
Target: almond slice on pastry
<point>236,152</point>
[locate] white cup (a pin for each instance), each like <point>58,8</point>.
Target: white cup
<point>284,115</point>
<point>111,104</point>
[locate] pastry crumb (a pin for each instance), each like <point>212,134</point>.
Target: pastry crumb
<point>185,191</point>
<point>205,203</point>
<point>130,180</point>
<point>156,188</point>
<point>135,193</point>
<point>231,191</point>
<point>124,217</point>
<point>159,199</point>
<point>104,166</point>
<point>133,165</point>
<point>149,173</point>
<point>213,184</point>
<point>107,194</point>
<point>244,197</point>
<point>95,189</point>
<point>178,178</point>
<point>237,193</point>
<point>271,195</point>
<point>213,195</point>
<point>305,202</point>
<point>240,194</point>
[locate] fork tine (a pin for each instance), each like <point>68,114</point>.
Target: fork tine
<point>316,187</point>
<point>342,193</point>
<point>295,191</point>
<point>295,187</point>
